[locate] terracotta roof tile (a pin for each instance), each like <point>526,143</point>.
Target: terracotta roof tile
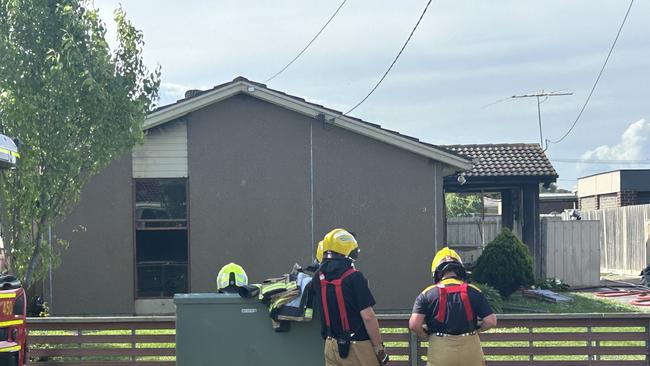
<point>505,160</point>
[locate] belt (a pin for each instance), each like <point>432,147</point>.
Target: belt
<point>351,341</point>
<point>454,335</point>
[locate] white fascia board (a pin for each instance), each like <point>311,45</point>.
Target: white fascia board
<point>170,113</point>
<point>291,103</point>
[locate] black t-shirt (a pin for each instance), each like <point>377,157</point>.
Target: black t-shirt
<point>427,303</point>
<point>356,295</point>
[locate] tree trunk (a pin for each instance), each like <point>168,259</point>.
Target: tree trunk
<point>36,253</point>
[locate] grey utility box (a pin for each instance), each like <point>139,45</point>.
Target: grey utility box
<point>224,329</point>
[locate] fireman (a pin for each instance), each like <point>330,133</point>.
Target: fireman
<point>319,252</point>
<point>450,313</point>
<point>348,322</point>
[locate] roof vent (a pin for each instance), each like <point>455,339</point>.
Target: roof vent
<point>192,93</point>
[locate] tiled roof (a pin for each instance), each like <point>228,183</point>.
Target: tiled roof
<point>195,93</point>
<point>506,160</point>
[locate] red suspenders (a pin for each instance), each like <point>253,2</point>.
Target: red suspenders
<point>339,299</point>
<point>442,303</point>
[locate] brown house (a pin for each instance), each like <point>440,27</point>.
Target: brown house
<point>249,174</point>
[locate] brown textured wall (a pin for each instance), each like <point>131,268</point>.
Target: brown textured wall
<point>96,272</point>
<point>250,198</point>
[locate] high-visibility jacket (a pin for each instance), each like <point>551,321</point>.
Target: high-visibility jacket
<point>288,298</point>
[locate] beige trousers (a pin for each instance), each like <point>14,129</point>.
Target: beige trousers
<point>361,354</point>
<point>455,351</point>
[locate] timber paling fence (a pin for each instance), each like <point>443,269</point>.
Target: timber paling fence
<point>624,235</point>
<point>537,340</point>
<point>469,235</point>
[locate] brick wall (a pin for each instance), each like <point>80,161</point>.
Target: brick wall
<point>627,198</point>
<point>618,199</point>
<point>610,200</point>
<point>642,198</point>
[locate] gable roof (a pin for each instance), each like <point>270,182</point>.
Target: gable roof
<point>240,85</point>
<point>506,160</point>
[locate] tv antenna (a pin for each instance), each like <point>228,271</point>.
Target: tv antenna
<point>538,95</point>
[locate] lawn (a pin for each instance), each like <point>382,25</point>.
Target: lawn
<point>582,303</point>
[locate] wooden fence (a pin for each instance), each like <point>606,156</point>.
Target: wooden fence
<point>571,251</point>
<point>623,238</point>
<point>469,235</point>
<point>531,340</point>
<point>109,341</point>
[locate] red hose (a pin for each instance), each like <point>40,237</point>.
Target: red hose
<point>618,293</point>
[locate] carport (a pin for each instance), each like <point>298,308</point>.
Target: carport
<point>515,171</point>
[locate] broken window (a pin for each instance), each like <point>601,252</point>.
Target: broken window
<point>161,237</point>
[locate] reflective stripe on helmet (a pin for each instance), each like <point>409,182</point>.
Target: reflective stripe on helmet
<point>239,277</point>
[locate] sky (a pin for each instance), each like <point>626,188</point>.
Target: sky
<point>464,57</point>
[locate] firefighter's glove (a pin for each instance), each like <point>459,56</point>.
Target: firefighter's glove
<point>381,355</point>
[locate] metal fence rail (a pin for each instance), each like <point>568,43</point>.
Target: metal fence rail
<point>531,340</point>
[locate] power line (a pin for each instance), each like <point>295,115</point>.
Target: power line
<point>620,29</point>
<point>394,61</point>
<point>308,44</point>
<point>598,161</point>
<point>539,111</point>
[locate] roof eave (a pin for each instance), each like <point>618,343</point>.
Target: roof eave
<point>183,108</point>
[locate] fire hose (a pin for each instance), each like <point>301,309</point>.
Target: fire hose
<point>642,293</point>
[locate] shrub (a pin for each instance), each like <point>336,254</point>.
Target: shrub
<point>554,284</point>
<point>505,264</point>
<point>492,295</point>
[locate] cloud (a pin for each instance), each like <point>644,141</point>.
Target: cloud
<point>632,146</point>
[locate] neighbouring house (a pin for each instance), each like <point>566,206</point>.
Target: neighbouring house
<point>556,203</point>
<point>514,171</point>
<point>248,174</point>
<point>618,188</point>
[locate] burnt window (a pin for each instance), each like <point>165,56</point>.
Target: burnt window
<point>161,237</point>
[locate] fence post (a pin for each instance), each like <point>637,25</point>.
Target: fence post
<point>647,341</point>
<point>414,345</point>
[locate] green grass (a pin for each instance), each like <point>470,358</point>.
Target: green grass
<point>582,303</point>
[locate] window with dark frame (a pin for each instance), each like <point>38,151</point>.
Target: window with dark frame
<point>161,237</point>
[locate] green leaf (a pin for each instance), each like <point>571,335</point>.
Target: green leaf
<point>74,103</point>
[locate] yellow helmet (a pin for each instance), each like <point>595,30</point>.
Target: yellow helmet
<point>230,277</point>
<point>340,241</point>
<point>319,252</point>
<point>447,259</point>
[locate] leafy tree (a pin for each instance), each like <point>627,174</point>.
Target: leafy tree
<point>505,264</point>
<point>462,205</point>
<point>75,104</point>
<point>552,188</point>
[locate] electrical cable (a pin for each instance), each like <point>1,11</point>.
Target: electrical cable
<point>308,44</point>
<point>598,161</point>
<point>394,61</point>
<point>620,29</point>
